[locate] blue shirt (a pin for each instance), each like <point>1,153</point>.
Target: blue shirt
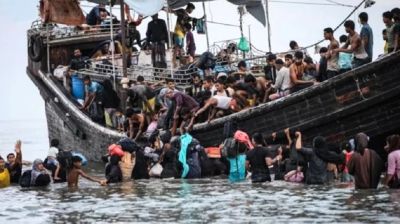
<point>345,60</point>
<point>93,87</point>
<point>237,170</point>
<point>366,31</point>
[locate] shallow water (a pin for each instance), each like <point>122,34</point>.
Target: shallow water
<point>205,200</point>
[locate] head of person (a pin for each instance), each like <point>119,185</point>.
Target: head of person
<point>393,143</point>
<point>384,34</point>
<point>105,48</point>
<point>343,39</point>
<point>220,85</point>
<point>349,26</point>
<point>190,8</point>
<point>293,45</point>
<point>11,158</point>
<point>103,15</point>
<point>328,33</point>
<point>271,58</point>
<point>361,142</point>
<point>170,84</point>
<point>298,57</point>
<point>323,51</point>
<point>257,139</point>
<point>250,79</point>
<point>140,79</point>
<point>396,14</point>
<point>154,17</point>
<point>387,17</point>
<point>309,62</point>
<point>279,64</point>
<point>76,162</point>
<point>188,27</point>
<point>288,59</point>
<point>222,75</point>
<point>86,80</point>
<point>196,79</point>
<point>363,17</point>
<point>38,165</point>
<point>230,81</point>
<point>77,53</point>
<point>208,82</point>
<point>242,66</point>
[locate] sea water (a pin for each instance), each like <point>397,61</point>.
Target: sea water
<point>203,200</point>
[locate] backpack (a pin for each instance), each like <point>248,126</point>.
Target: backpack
<point>65,159</point>
<point>128,145</point>
<point>25,180</point>
<point>229,149</point>
<point>230,128</point>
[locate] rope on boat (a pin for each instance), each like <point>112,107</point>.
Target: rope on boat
<point>359,88</point>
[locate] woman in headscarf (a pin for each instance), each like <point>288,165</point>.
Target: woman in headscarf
<point>39,174</point>
<point>365,165</point>
<point>317,159</point>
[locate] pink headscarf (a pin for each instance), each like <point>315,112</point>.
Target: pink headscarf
<point>242,137</point>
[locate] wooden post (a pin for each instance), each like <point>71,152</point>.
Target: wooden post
<point>205,26</point>
<point>123,38</point>
<point>268,25</point>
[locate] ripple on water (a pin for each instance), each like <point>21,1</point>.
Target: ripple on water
<point>206,200</point>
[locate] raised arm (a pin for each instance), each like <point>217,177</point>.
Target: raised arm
<point>299,143</point>
<point>18,152</point>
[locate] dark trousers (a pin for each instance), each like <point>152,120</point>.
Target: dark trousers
<point>359,62</point>
<point>331,74</point>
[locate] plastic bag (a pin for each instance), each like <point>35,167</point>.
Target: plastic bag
<point>156,170</point>
<point>244,45</point>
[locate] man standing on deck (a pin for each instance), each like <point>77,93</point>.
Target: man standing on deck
<point>182,19</point>
<point>360,56</point>
<point>157,34</point>
<point>366,35</point>
<point>331,56</point>
<point>388,21</point>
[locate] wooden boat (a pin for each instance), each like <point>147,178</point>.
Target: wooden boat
<point>365,99</point>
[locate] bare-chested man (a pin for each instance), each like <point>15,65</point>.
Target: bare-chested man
<point>356,45</point>
<point>332,56</point>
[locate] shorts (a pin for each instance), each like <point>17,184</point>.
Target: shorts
<point>152,104</point>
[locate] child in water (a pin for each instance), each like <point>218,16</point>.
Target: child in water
<point>76,171</point>
<point>52,157</point>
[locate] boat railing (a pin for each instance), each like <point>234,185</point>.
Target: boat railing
<point>182,77</point>
<point>57,32</point>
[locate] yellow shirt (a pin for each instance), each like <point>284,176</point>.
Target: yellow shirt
<point>4,179</point>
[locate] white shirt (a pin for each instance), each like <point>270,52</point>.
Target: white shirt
<point>223,102</point>
<point>283,81</point>
<point>53,151</point>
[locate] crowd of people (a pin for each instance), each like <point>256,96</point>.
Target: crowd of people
<point>259,158</point>
<point>152,107</point>
<point>212,95</point>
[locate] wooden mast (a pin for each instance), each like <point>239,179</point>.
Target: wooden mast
<point>123,39</point>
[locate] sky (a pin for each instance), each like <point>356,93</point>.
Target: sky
<point>20,99</point>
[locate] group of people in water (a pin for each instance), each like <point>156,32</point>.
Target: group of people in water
<point>281,156</point>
